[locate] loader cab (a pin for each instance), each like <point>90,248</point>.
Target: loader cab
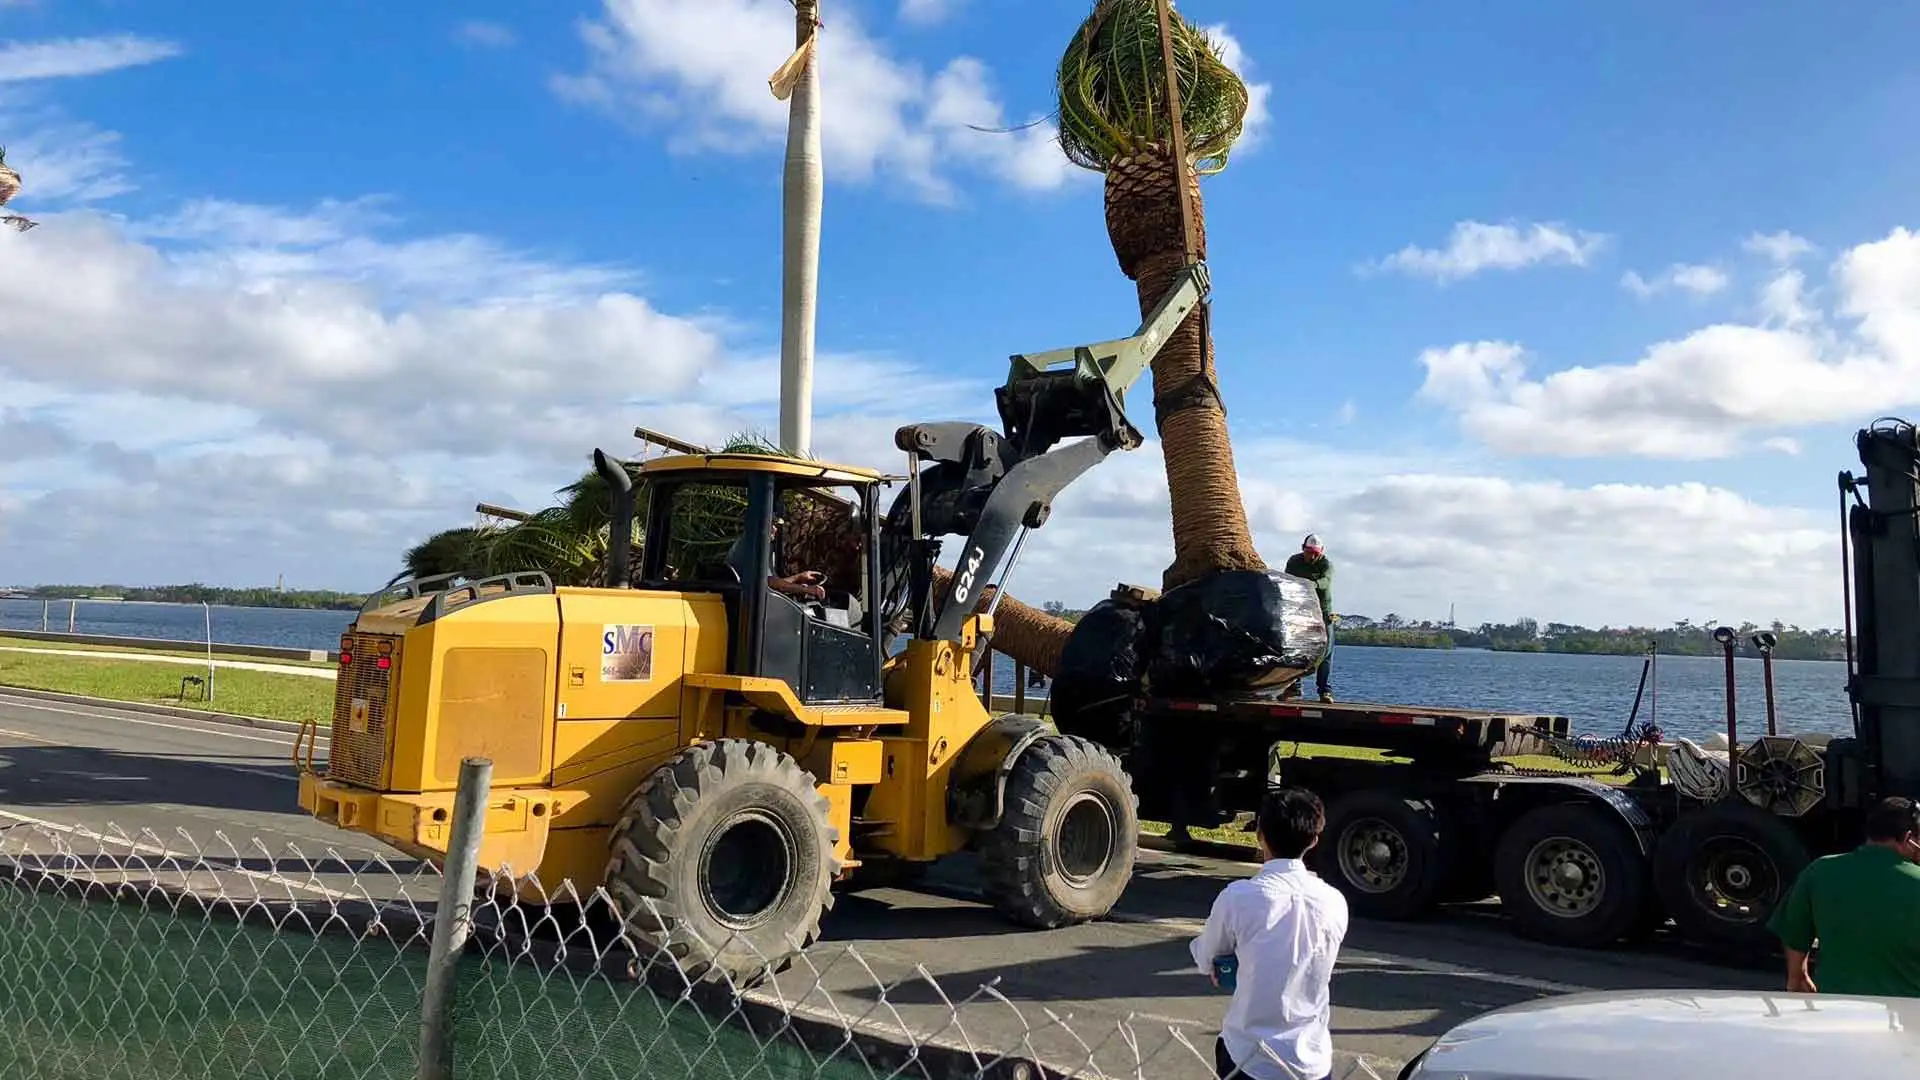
<point>745,526</point>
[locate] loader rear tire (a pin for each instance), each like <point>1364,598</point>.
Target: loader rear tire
<point>724,859</point>
<point>1064,848</point>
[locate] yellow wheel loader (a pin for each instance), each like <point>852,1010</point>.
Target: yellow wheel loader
<point>719,738</point>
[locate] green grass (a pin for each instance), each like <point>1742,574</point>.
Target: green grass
<point>244,693</point>
<point>99,991</point>
<point>36,643</point>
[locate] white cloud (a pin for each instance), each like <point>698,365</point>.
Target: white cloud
<point>481,32</point>
<point>1782,247</point>
<point>1419,530</point>
<point>23,61</point>
<point>1258,93</point>
<point>1696,279</point>
<point>1701,395</point>
<point>698,69</point>
<point>928,12</point>
<point>1476,246</point>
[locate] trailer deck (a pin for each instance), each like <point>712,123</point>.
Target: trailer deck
<point>1408,729</point>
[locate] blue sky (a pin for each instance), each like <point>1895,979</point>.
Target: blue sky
<point>311,279</point>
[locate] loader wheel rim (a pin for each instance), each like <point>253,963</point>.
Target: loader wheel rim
<point>1085,843</point>
<point>1735,880</point>
<point>1565,877</point>
<point>747,869</point>
<point>1373,856</point>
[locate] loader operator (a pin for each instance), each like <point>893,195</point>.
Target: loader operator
<point>1311,562</point>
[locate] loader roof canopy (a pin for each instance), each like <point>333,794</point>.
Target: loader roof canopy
<point>762,463</point>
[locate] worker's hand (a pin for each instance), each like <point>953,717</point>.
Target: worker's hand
<point>809,577</point>
<point>1331,618</point>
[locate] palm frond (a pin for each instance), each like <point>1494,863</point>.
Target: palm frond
<point>1111,84</point>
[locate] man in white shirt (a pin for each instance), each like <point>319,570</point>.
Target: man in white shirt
<point>1283,928</point>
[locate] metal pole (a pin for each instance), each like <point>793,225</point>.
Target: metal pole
<point>1019,687</point>
<point>1724,635</point>
<point>205,608</point>
<point>800,241</point>
<point>73,616</point>
<point>1765,641</point>
<point>453,918</point>
<point>46,606</point>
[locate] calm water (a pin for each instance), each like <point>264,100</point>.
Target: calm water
<point>1595,691</point>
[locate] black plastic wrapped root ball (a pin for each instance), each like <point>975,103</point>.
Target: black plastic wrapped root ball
<point>1093,691</point>
<point>1233,631</point>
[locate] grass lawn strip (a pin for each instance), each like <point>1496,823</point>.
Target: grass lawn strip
<point>260,694</point>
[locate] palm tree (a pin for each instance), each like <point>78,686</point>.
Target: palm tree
<point>9,179</point>
<point>1114,120</point>
<point>9,187</point>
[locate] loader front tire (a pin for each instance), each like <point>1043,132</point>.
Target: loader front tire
<point>1063,850</point>
<point>724,859</point>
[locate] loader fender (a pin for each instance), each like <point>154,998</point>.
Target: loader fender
<point>977,792</point>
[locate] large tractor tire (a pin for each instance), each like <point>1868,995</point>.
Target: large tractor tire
<point>1064,848</point>
<point>1572,874</point>
<point>1722,870</point>
<point>725,859</point>
<point>1384,852</point>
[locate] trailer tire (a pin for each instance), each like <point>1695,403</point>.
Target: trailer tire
<point>1572,874</point>
<point>1064,848</point>
<point>725,859</point>
<point>1385,852</point>
<point>1723,869</point>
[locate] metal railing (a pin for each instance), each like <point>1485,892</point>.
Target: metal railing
<point>137,957</point>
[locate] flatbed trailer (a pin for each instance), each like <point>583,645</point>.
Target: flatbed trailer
<point>1436,816</point>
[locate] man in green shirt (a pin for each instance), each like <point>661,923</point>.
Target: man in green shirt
<point>1863,907</point>
<point>1311,562</point>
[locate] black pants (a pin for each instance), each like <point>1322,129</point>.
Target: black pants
<point>1224,1066</point>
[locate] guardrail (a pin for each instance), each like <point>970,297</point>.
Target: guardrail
<point>141,644</point>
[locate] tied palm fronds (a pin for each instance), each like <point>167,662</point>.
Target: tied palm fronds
<point>1112,89</point>
<point>9,179</point>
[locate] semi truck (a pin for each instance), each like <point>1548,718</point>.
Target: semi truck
<point>1707,839</point>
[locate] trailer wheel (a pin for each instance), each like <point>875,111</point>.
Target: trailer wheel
<point>725,860</point>
<point>1384,851</point>
<point>1571,874</point>
<point>1064,848</point>
<point>1723,869</point>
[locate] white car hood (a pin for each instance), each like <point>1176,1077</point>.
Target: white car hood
<point>1683,1035</point>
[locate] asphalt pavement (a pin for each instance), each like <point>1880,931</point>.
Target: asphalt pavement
<point>152,784</point>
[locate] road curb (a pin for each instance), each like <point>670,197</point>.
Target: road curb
<point>204,715</point>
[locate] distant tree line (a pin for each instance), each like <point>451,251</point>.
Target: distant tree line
<point>1683,638</point>
<point>308,599</point>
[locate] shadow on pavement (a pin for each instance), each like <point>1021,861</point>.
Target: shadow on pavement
<point>86,776</point>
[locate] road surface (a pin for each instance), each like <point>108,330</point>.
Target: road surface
<point>155,778</point>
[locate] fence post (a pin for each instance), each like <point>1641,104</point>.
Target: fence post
<point>452,919</point>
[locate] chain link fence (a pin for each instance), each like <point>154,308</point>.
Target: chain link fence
<point>137,957</point>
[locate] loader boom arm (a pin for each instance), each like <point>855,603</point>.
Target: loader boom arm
<point>993,486</point>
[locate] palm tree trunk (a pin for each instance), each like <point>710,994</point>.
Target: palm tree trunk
<point>9,184</point>
<point>1209,520</point>
<point>800,251</point>
<point>1027,634</point>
